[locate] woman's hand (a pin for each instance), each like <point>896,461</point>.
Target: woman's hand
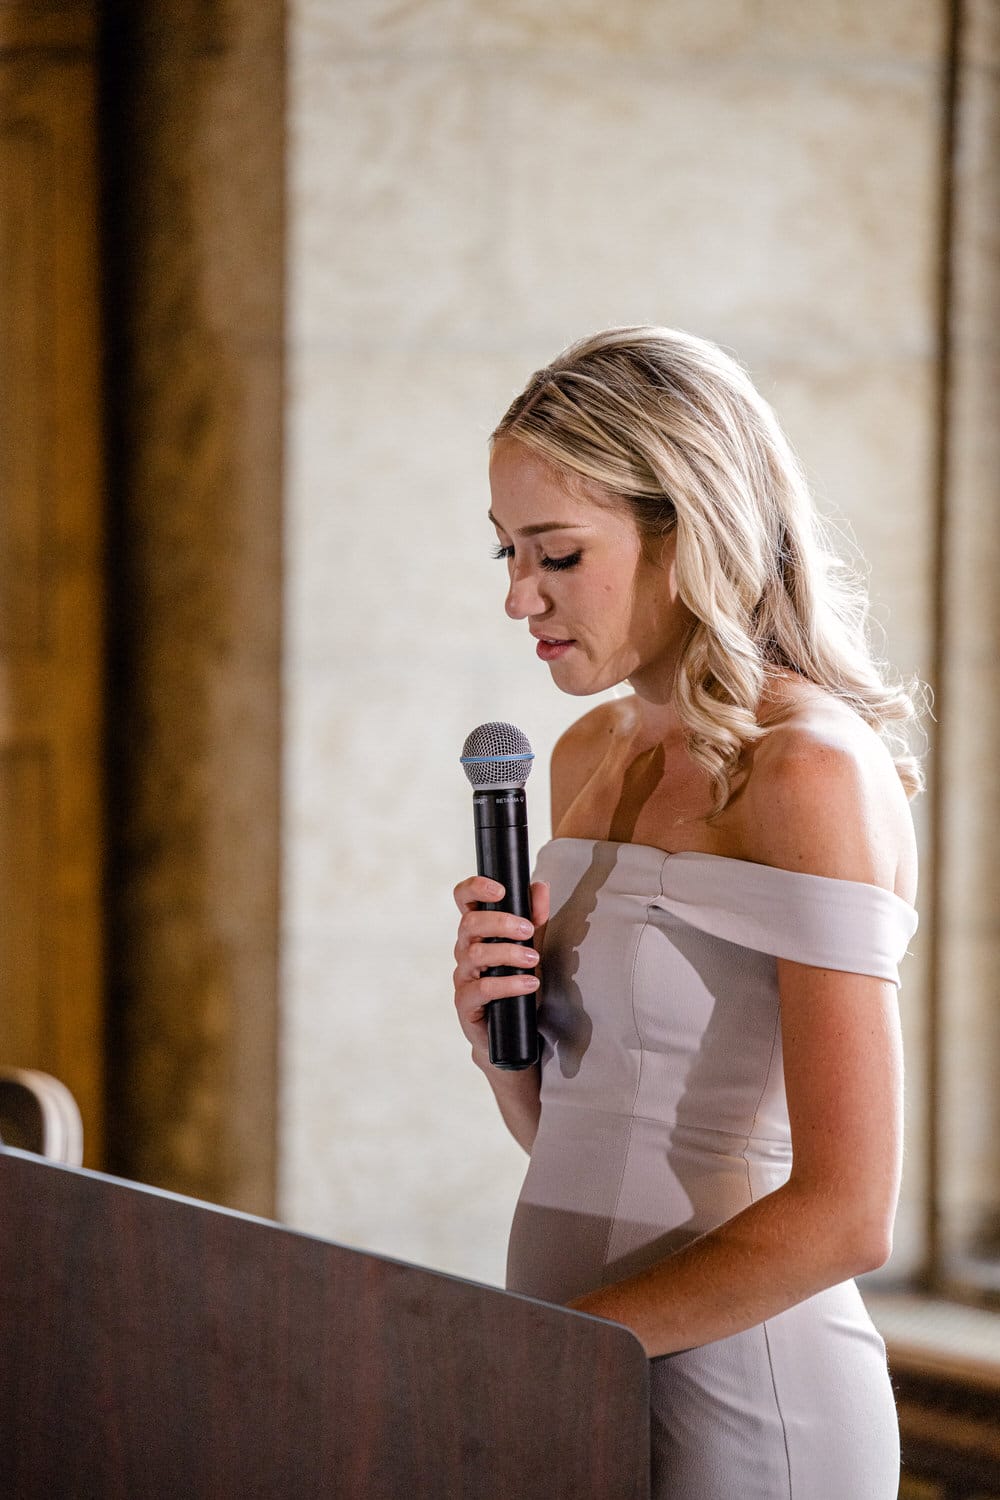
<point>473,954</point>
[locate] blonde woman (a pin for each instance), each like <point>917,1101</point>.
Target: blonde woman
<point>714,1130</point>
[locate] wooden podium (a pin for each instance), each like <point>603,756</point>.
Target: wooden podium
<point>154,1346</point>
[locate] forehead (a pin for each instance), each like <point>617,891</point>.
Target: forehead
<point>523,483</point>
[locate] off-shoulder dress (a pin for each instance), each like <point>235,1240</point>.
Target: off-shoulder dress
<point>664,1114</point>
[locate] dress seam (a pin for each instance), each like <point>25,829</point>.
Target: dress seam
<point>749,1135</point>
<point>777,1404</point>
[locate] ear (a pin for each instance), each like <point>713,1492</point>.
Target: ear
<point>663,553</point>
<point>665,558</point>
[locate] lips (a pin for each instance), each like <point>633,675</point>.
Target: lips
<point>550,648</point>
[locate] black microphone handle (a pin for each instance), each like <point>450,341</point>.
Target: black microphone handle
<point>501,818</point>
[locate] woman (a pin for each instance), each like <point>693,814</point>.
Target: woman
<point>715,1128</point>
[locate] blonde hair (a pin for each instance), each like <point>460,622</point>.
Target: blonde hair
<point>674,427</point>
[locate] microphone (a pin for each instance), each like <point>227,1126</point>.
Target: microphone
<point>497,760</point>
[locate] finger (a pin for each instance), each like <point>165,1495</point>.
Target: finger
<point>541,893</point>
<point>478,888</point>
<point>493,955</point>
<point>475,994</point>
<point>483,924</point>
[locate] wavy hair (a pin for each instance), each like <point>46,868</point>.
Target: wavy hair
<point>674,427</point>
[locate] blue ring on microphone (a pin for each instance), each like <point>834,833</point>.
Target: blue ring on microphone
<point>475,760</point>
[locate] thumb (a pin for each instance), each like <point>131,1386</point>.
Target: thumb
<point>540,902</point>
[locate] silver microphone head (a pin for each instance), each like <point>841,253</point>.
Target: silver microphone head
<point>497,757</point>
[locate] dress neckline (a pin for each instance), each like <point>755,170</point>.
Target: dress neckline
<point>728,859</point>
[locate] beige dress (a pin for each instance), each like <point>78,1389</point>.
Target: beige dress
<point>664,1114</point>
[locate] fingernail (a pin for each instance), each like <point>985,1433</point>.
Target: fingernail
<point>530,981</point>
<point>525,929</point>
<point>529,956</point>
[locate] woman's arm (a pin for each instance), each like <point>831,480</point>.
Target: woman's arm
<point>825,810</point>
<point>518,1100</point>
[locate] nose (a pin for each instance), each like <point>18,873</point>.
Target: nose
<point>524,597</point>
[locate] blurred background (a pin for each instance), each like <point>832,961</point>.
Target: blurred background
<point>270,275</point>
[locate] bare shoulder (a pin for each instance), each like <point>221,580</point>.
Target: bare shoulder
<point>824,797</point>
<point>580,750</point>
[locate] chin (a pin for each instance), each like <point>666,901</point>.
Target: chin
<point>577,687</point>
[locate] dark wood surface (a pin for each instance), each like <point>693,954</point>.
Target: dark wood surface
<point>155,1346</point>
<point>949,1421</point>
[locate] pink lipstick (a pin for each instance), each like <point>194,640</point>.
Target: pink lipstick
<point>552,650</point>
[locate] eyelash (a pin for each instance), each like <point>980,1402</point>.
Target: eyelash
<point>552,564</point>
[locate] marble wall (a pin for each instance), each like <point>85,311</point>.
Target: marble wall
<point>471,186</point>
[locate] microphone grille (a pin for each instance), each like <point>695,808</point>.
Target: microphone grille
<point>497,755</point>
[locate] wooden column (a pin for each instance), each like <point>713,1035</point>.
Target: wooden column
<point>193,151</point>
<point>965,864</point>
<point>51,1001</point>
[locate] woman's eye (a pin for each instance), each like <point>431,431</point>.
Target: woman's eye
<point>558,564</point>
<point>551,564</point>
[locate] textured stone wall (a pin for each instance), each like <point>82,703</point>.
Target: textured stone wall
<point>472,186</point>
<point>193,104</point>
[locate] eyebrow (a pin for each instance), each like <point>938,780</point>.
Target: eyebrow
<point>542,526</point>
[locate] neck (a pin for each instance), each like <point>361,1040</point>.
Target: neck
<point>655,720</point>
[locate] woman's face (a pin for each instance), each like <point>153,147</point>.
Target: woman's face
<point>601,610</point>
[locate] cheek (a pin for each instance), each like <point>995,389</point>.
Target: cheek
<point>609,583</point>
